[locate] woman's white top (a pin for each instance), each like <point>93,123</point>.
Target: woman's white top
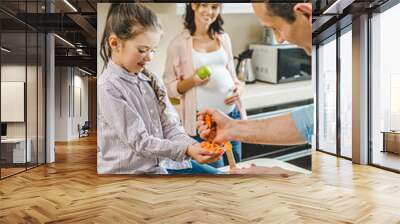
<point>220,86</point>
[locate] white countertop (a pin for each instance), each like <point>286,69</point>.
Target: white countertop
<point>266,162</point>
<point>260,94</point>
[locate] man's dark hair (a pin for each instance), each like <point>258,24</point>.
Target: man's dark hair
<point>283,10</point>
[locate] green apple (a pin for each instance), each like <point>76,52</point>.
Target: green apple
<point>203,72</point>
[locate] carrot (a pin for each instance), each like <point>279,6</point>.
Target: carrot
<point>220,150</point>
<point>228,146</point>
<point>215,147</point>
<point>208,120</point>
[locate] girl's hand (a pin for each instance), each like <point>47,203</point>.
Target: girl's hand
<point>237,92</point>
<point>224,126</point>
<point>202,155</point>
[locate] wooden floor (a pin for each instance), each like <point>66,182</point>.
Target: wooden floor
<point>70,191</point>
<point>5,172</point>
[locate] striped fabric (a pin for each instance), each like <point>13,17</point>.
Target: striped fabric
<point>134,135</point>
<point>160,93</point>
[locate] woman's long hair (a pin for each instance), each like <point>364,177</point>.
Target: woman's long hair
<point>215,27</point>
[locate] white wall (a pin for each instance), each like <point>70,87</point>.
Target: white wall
<point>102,9</point>
<point>61,103</point>
<point>82,82</point>
<point>67,81</point>
<point>12,73</point>
<point>33,127</point>
<point>243,30</point>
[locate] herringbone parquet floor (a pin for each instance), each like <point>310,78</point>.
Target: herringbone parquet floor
<point>70,191</point>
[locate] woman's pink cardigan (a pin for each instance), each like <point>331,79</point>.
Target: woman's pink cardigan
<point>179,66</point>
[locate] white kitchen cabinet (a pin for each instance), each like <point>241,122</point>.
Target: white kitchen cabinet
<point>261,95</point>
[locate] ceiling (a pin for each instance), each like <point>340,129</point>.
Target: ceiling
<point>76,22</point>
<point>332,15</point>
<point>73,20</point>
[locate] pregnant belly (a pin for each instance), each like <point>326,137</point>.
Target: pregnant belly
<point>213,94</point>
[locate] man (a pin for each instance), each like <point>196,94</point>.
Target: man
<point>291,22</point>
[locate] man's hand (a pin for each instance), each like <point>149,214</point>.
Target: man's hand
<point>202,155</point>
<point>223,122</point>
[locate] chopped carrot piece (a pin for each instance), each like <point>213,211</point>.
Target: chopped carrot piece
<point>208,120</point>
<point>218,149</point>
<point>228,146</point>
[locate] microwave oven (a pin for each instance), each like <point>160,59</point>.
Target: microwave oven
<point>280,63</point>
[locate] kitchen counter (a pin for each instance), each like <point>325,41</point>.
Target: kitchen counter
<point>269,163</point>
<point>260,94</point>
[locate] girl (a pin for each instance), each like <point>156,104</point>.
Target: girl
<point>203,42</point>
<point>139,131</point>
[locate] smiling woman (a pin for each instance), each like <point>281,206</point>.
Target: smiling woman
<point>209,14</point>
<point>203,42</point>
